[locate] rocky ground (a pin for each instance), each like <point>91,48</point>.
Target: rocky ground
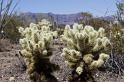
<point>11,68</point>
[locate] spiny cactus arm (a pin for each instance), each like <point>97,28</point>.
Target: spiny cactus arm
<point>88,29</point>
<point>92,37</point>
<point>21,29</point>
<point>44,22</point>
<point>71,56</point>
<point>33,26</point>
<point>104,56</point>
<point>88,58</point>
<point>101,32</point>
<point>26,53</point>
<point>98,46</point>
<point>98,63</point>
<point>105,42</point>
<point>77,27</point>
<point>101,43</point>
<point>80,68</point>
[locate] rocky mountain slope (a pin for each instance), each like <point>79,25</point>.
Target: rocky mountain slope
<point>58,18</point>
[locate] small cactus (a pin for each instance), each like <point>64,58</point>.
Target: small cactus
<point>36,49</point>
<point>84,49</point>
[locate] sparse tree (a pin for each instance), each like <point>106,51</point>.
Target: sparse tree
<point>120,13</point>
<point>85,17</point>
<point>7,8</point>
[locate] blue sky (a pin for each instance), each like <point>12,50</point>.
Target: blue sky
<point>96,7</point>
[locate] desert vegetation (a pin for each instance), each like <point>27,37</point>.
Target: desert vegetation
<point>45,49</point>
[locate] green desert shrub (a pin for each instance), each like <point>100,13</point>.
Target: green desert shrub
<point>84,51</point>
<point>11,30</point>
<point>117,39</point>
<point>116,35</point>
<point>36,49</point>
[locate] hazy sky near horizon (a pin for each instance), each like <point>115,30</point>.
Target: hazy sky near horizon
<point>96,7</point>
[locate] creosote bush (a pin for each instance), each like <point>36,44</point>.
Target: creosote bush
<point>36,49</point>
<point>117,39</point>
<point>115,62</point>
<point>84,51</point>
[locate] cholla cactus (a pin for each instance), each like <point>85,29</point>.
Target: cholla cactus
<point>83,51</point>
<point>36,49</point>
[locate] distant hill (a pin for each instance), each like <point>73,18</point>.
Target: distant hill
<point>65,19</point>
<point>108,18</point>
<point>58,18</point>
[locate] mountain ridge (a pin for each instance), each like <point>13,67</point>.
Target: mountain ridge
<point>29,17</point>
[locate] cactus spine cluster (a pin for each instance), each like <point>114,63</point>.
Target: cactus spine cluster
<point>84,49</point>
<point>36,49</point>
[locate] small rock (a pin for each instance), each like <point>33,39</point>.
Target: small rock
<point>11,78</point>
